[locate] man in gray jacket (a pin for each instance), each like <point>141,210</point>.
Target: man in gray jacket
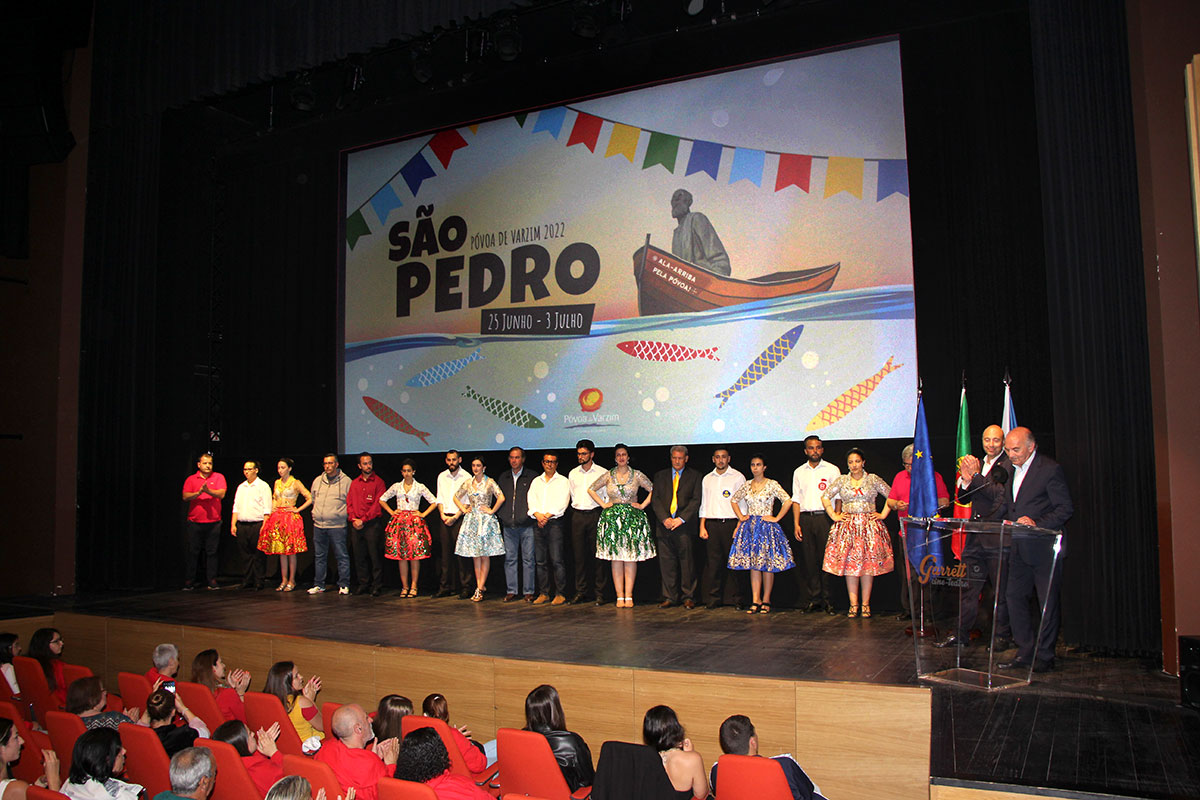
<point>329,492</point>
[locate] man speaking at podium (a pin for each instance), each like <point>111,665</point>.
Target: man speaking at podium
<point>1038,496</point>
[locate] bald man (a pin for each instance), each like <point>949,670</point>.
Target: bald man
<point>1037,495</point>
<point>352,762</point>
<point>986,482</point>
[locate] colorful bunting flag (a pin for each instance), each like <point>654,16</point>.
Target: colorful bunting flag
<point>623,141</point>
<point>663,148</point>
<point>705,157</point>
<point>794,170</point>
<point>384,202</point>
<point>416,170</point>
<point>520,118</point>
<point>445,143</point>
<point>747,165</point>
<point>356,227</point>
<point>551,120</point>
<point>844,175</point>
<point>586,131</point>
<point>893,178</point>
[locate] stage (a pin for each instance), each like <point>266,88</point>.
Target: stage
<point>840,694</point>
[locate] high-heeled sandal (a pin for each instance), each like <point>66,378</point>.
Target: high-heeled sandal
<point>754,608</point>
<point>478,596</point>
<point>765,608</point>
<point>866,612</point>
<point>281,587</point>
<point>853,612</point>
<point>290,587</point>
<point>412,592</point>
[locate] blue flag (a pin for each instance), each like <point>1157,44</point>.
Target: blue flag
<point>922,498</point>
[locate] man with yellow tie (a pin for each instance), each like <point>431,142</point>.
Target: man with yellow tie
<point>676,505</point>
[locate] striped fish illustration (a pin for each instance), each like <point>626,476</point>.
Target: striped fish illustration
<point>439,372</point>
<point>767,360</point>
<point>664,351</point>
<point>850,399</point>
<point>505,411</point>
<point>389,417</point>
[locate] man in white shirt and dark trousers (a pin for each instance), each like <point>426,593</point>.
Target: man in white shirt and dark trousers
<point>585,514</point>
<point>717,523</point>
<point>456,572</point>
<point>809,482</point>
<point>549,495</point>
<point>251,505</point>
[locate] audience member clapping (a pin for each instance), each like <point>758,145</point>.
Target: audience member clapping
<point>88,698</point>
<point>661,731</point>
<point>355,765</point>
<point>392,709</point>
<point>193,775</point>
<point>96,761</point>
<point>10,752</point>
<point>435,705</point>
<point>544,714</point>
<point>299,699</point>
<point>738,737</point>
<point>262,758</point>
<point>423,759</point>
<point>160,713</point>
<point>229,689</point>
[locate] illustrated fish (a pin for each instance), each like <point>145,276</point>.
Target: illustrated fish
<point>664,351</point>
<point>439,372</point>
<point>389,417</point>
<point>505,411</point>
<point>767,360</point>
<point>850,399</point>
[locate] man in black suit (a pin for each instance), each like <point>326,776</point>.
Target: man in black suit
<point>676,504</point>
<point>1037,495</point>
<point>984,484</point>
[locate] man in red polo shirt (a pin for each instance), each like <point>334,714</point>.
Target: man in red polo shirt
<point>203,493</point>
<point>366,526</point>
<point>346,752</point>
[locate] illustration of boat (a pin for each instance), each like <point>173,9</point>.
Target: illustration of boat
<point>669,285</point>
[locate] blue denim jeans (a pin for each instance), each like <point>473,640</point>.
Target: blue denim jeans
<point>518,544</point>
<point>322,537</point>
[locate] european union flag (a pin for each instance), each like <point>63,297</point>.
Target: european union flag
<point>922,499</point>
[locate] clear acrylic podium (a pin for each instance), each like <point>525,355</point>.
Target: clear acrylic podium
<point>936,591</point>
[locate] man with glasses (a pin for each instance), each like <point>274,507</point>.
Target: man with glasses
<point>585,514</point>
<point>251,505</point>
<point>549,496</point>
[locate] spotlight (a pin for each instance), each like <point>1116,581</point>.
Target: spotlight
<point>302,96</point>
<point>506,38</point>
<point>694,7</point>
<point>421,59</point>
<point>585,22</point>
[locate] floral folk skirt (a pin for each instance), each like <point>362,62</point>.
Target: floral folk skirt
<point>760,545</point>
<point>282,534</point>
<point>407,537</point>
<point>858,545</point>
<point>623,534</point>
<point>479,535</point>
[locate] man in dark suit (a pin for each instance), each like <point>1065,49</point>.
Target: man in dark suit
<point>984,483</point>
<point>1037,495</point>
<point>676,504</point>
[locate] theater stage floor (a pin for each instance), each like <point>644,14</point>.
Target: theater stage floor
<point>1097,724</point>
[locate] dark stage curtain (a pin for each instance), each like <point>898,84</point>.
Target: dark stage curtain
<point>1097,322</point>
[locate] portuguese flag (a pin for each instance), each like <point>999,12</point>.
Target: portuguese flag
<point>961,450</point>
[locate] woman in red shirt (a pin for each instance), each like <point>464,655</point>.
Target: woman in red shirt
<point>262,758</point>
<point>228,689</point>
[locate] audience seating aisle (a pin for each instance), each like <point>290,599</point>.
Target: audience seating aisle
<point>533,766</point>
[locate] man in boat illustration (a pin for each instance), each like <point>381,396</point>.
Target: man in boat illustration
<point>694,238</point>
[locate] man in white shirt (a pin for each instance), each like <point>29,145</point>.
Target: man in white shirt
<point>455,576</point>
<point>717,523</point>
<point>585,514</point>
<point>549,495</point>
<point>809,482</point>
<point>251,505</point>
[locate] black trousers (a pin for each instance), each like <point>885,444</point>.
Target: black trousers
<point>591,573</point>
<point>254,561</point>
<point>814,527</point>
<point>1034,574</point>
<point>457,572</point>
<point>675,564</point>
<point>984,566</point>
<point>368,553</point>
<point>204,536</point>
<point>717,575</point>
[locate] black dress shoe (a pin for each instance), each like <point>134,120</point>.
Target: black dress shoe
<point>830,610</point>
<point>1016,663</point>
<point>599,602</point>
<point>465,594</point>
<point>665,604</point>
<point>715,604</point>
<point>904,615</point>
<point>378,590</point>
<point>741,607</point>
<point>949,641</point>
<point>1043,666</point>
<point>362,588</point>
<point>689,604</point>
<point>578,598</point>
<point>1002,643</point>
<point>444,593</point>
<point>811,607</point>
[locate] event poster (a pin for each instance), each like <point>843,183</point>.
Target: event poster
<point>726,258</point>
